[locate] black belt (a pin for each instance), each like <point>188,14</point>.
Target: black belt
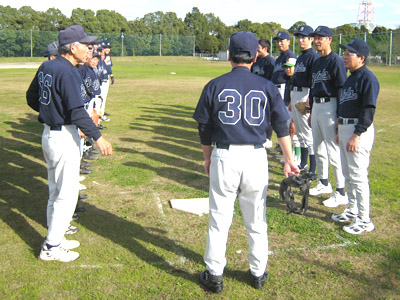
<point>345,121</point>
<point>226,146</point>
<point>278,85</point>
<point>322,99</point>
<point>56,128</point>
<point>297,88</point>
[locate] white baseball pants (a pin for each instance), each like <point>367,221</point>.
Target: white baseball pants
<point>61,152</point>
<point>303,131</point>
<point>355,169</point>
<point>240,171</point>
<point>323,123</point>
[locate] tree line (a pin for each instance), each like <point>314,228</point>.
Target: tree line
<point>211,34</point>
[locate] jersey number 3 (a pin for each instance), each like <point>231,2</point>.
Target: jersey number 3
<point>254,107</point>
<point>45,82</point>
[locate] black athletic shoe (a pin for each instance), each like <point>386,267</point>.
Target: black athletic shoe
<point>106,114</point>
<point>86,164</point>
<point>101,127</point>
<point>94,151</point>
<point>83,196</point>
<point>75,217</point>
<point>258,282</point>
<point>87,156</point>
<point>84,171</point>
<point>79,208</point>
<point>211,282</point>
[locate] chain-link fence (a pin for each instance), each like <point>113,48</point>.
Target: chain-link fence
<point>384,47</point>
<point>21,43</point>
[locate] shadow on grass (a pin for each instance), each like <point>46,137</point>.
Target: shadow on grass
<point>22,188</point>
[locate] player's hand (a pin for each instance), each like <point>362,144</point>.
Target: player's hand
<point>104,146</point>
<point>291,169</point>
<point>207,164</point>
<point>337,138</point>
<point>309,121</point>
<point>290,106</point>
<point>352,144</point>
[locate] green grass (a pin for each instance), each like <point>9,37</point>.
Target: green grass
<point>134,246</point>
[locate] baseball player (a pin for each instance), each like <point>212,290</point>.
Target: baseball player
<point>279,76</point>
<point>234,112</point>
<point>52,50</point>
<point>264,66</point>
<point>55,92</point>
<point>356,135</point>
<point>265,63</point>
<point>328,77</point>
<point>299,96</point>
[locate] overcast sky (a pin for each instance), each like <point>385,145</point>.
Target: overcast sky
<point>313,12</point>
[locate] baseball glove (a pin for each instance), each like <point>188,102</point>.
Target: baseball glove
<point>301,107</point>
<point>295,187</point>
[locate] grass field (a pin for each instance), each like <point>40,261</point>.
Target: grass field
<point>134,246</point>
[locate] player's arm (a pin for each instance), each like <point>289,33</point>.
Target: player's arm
<point>286,145</point>
<point>282,132</point>
<point>205,131</point>
<point>81,119</point>
<point>32,94</point>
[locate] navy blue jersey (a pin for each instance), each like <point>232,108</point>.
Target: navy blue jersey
<point>56,91</point>
<point>328,76</point>
<point>91,82</point>
<point>279,76</point>
<point>240,106</point>
<point>302,71</point>
<point>264,66</point>
<point>359,97</point>
<point>101,71</point>
<point>109,64</point>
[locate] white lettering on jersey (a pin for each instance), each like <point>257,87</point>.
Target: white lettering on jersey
<point>320,76</point>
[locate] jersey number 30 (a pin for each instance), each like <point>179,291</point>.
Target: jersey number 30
<point>45,82</point>
<point>254,107</point>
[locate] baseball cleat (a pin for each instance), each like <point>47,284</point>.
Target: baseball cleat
<point>72,230</point>
<point>320,189</point>
<point>57,253</point>
<point>359,226</point>
<point>211,282</point>
<point>336,199</point>
<point>344,217</point>
<point>258,282</point>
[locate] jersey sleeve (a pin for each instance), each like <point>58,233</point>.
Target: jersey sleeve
<point>203,111</point>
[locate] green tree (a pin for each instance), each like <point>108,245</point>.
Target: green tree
<point>86,18</point>
<point>110,21</point>
<point>54,20</point>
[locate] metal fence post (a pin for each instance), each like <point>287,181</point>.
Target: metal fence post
<point>31,44</point>
<point>391,46</point>
<point>160,44</point>
<point>122,43</point>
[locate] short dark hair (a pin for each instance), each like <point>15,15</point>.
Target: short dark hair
<point>265,43</point>
<point>242,57</point>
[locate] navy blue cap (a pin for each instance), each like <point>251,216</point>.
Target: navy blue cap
<point>75,33</point>
<point>52,49</point>
<point>107,45</point>
<point>282,35</point>
<point>243,41</point>
<point>358,46</point>
<point>304,30</point>
<point>323,31</point>
<point>95,53</point>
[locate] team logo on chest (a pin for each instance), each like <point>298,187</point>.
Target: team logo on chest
<point>83,91</point>
<point>348,95</point>
<point>320,76</point>
<point>300,67</point>
<point>278,67</point>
